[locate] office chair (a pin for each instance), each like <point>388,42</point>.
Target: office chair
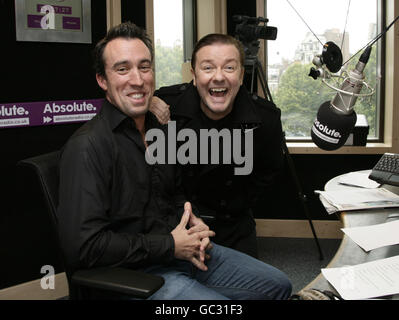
<point>91,283</point>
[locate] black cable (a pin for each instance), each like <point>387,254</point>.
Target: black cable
<point>303,20</point>
<point>346,22</point>
<point>378,37</point>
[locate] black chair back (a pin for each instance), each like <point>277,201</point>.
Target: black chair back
<point>45,169</point>
<point>86,284</point>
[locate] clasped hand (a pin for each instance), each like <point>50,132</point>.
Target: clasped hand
<point>192,243</point>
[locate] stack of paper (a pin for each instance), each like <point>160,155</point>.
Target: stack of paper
<point>372,279</point>
<point>357,199</point>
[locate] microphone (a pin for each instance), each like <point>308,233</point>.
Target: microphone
<point>335,120</point>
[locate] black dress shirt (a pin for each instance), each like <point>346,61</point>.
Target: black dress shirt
<point>114,208</point>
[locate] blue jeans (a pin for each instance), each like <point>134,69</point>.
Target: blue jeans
<point>231,275</point>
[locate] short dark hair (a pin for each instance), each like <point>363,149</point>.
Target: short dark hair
<point>126,30</point>
<point>213,38</point>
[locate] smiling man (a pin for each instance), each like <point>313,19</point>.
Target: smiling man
<point>115,209</point>
<point>217,99</point>
<point>218,75</point>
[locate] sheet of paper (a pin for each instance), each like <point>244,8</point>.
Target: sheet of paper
<point>375,236</point>
<point>358,179</point>
<point>364,281</point>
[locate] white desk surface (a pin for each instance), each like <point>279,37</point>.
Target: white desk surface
<point>349,253</point>
<point>333,184</point>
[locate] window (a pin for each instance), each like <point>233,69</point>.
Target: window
<point>168,38</point>
<point>289,57</point>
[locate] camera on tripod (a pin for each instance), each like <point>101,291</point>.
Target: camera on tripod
<point>248,29</point>
<point>248,32</point>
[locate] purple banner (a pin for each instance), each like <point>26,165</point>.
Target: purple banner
<point>34,21</point>
<point>29,114</point>
<point>57,9</point>
<point>71,23</point>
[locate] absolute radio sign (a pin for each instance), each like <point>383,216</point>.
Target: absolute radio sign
<point>28,114</point>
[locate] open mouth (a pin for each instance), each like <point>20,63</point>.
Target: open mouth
<point>218,92</point>
<point>137,98</point>
<point>136,95</point>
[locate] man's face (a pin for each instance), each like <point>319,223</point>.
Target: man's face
<point>218,76</point>
<point>129,78</point>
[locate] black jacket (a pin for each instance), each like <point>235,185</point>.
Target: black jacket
<point>115,209</point>
<point>214,189</point>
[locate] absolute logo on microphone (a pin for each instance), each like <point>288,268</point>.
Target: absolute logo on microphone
<point>325,133</point>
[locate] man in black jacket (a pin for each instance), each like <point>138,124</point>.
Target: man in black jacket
<point>117,209</point>
<point>216,99</point>
<point>113,207</point>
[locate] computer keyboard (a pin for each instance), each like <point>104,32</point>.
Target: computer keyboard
<point>386,171</point>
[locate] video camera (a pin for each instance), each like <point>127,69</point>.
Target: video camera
<point>248,32</point>
<point>248,29</point>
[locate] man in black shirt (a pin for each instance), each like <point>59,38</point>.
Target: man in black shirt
<point>216,99</point>
<point>116,209</point>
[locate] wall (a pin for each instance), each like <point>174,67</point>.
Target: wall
<point>133,11</point>
<point>35,71</point>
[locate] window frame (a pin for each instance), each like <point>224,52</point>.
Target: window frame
<point>387,140</point>
<point>189,28</point>
<point>390,118</point>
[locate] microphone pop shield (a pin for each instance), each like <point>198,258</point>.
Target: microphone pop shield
<point>331,128</point>
<point>332,56</point>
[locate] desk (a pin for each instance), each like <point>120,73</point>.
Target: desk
<point>349,253</point>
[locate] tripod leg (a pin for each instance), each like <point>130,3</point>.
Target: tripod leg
<point>291,166</point>
<point>252,78</point>
<point>262,78</point>
<point>301,196</point>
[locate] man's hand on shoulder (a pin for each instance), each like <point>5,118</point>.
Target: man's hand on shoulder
<point>160,109</point>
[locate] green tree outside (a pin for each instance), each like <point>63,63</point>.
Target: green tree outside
<point>368,105</point>
<point>299,97</point>
<point>168,62</point>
